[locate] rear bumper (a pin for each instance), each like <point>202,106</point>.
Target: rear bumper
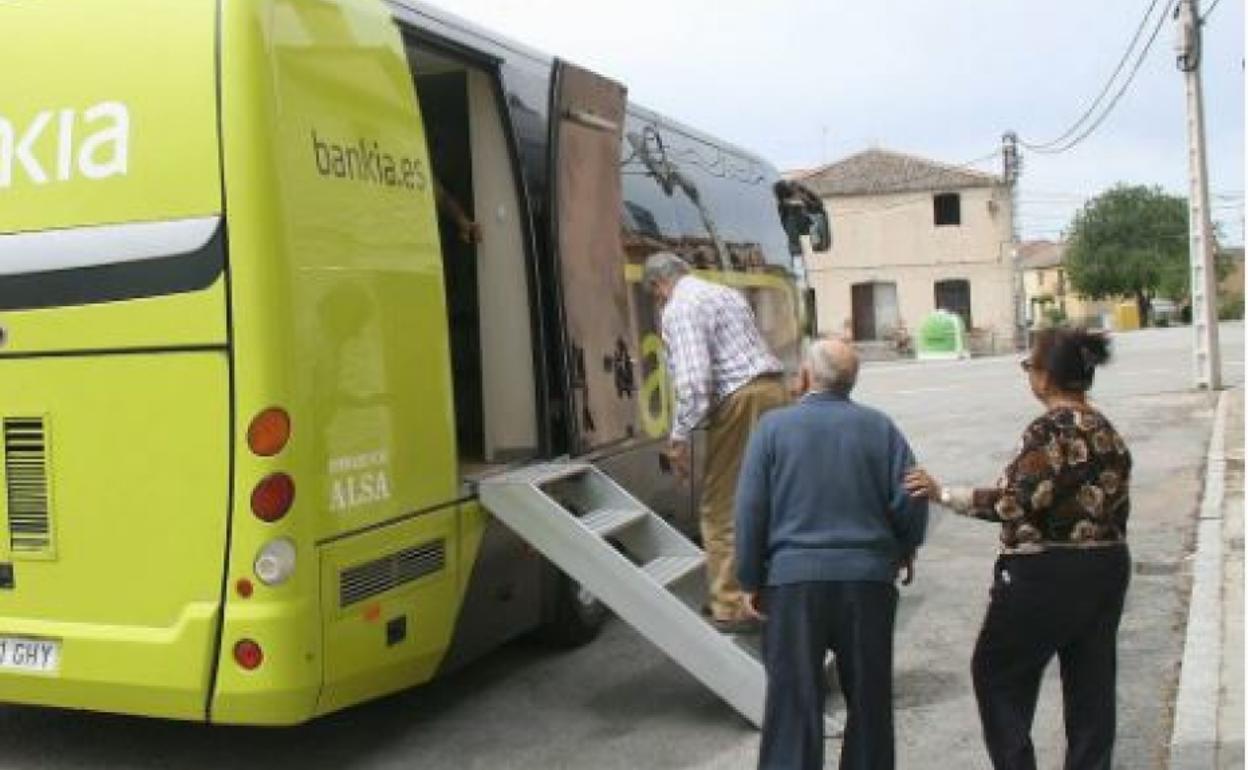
<point>144,671</point>
<point>283,690</point>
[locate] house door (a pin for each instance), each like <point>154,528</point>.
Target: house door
<point>587,121</point>
<point>863,300</point>
<point>887,315</point>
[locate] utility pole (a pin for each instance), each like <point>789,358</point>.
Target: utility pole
<point>1206,355</point>
<point>1012,166</point>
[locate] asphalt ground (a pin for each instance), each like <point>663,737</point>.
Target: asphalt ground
<point>618,703</point>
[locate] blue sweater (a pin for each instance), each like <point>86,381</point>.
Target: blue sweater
<point>820,496</point>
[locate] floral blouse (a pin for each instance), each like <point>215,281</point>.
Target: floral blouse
<point>1068,486</point>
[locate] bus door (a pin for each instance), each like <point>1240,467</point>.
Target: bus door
<point>586,126</point>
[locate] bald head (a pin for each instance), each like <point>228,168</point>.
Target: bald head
<point>833,365</point>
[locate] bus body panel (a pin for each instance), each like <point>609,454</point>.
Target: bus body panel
<point>130,583</point>
<point>92,140</point>
<point>168,322</point>
<point>388,598</point>
<point>89,136</point>
<point>339,318</point>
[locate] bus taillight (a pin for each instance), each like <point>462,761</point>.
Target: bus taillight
<point>276,562</point>
<point>272,497</point>
<point>269,432</point>
<point>248,654</point>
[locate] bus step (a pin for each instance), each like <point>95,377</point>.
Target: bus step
<point>608,521</point>
<point>639,573</point>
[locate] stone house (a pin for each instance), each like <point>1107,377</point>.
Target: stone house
<point>911,236</point>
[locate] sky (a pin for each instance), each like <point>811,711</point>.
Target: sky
<point>808,82</point>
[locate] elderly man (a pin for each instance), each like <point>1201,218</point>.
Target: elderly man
<point>722,371</point>
<point>824,525</point>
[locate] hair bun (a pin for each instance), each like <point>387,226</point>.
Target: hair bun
<point>1093,349</point>
<point>1070,356</point>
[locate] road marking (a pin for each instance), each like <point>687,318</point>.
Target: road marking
<point>930,389</point>
<point>917,366</point>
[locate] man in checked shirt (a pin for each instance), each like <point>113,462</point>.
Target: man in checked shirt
<point>723,374</point>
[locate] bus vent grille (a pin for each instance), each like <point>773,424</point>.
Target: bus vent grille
<point>26,481</point>
<point>380,575</point>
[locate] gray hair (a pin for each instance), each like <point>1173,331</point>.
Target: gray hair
<point>833,365</point>
<point>664,266</point>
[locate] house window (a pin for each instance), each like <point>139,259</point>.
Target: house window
<point>1039,277</point>
<point>954,295</point>
<point>947,209</point>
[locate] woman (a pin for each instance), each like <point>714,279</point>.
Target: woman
<point>1062,573</point>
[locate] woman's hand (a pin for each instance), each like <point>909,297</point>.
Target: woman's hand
<point>753,606</point>
<point>905,570</point>
<point>920,483</point>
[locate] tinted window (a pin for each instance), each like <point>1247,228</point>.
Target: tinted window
<point>735,195</point>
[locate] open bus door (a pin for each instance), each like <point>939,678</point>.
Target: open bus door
<point>586,126</point>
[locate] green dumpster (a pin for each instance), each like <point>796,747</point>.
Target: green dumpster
<point>942,336</point>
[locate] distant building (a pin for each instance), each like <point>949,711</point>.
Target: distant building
<point>910,236</point>
<point>1047,292</point>
<point>1231,287</point>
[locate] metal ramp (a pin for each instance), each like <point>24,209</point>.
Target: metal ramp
<point>576,515</point>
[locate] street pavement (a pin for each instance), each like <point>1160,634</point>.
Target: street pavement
<point>618,703</point>
<point>1230,739</point>
<point>1212,666</point>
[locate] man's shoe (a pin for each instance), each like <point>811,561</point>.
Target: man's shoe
<point>737,626</point>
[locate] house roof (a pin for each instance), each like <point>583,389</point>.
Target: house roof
<point>877,172</point>
<point>1035,255</point>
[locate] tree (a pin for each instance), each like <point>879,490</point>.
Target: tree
<point>1130,241</point>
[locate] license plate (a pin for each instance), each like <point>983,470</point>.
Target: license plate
<point>42,656</point>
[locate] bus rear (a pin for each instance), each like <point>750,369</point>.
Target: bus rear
<point>114,371</point>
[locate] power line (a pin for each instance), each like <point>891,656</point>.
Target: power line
<point>1210,10</point>
<point>1139,30</point>
<point>1139,62</point>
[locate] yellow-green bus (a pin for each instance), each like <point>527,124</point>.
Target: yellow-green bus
<point>252,360</point>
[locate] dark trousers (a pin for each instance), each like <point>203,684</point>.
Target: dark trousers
<point>1065,603</point>
<point>804,621</point>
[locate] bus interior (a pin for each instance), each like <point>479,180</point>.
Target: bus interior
<point>487,277</point>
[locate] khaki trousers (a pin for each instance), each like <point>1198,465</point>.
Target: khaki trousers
<point>727,434</point>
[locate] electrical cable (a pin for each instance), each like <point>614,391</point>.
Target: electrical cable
<point>1139,62</point>
<point>1126,55</point>
<point>1209,11</point>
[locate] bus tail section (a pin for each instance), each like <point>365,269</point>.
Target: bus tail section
<point>114,376</point>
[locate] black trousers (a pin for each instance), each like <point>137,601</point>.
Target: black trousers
<point>804,621</point>
<point>1065,603</point>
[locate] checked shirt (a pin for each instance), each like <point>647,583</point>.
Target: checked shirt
<point>713,348</point>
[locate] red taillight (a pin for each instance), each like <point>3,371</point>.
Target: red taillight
<point>269,432</point>
<point>272,497</point>
<point>248,654</point>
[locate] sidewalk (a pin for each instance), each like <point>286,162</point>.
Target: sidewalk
<point>1209,710</point>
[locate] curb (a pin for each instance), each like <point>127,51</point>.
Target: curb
<point>1194,740</point>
